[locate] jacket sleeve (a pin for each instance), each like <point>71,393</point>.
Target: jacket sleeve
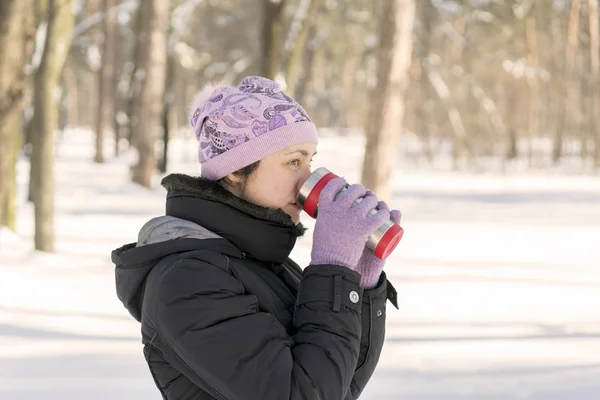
<point>227,344</point>
<point>373,334</point>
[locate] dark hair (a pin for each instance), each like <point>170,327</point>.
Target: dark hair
<point>243,173</point>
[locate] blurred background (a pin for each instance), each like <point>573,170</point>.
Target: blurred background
<point>479,119</point>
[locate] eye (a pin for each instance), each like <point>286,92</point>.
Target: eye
<point>295,163</point>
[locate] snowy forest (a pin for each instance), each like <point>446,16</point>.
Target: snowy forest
<point>470,85</point>
<point>478,119</point>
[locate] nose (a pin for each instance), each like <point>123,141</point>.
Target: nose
<point>306,173</point>
<point>303,177</point>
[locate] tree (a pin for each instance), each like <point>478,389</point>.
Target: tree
<point>569,62</point>
<point>41,24</point>
<point>297,40</point>
<point>423,43</point>
<point>272,37</point>
<point>168,117</point>
<point>486,76</point>
<point>152,62</point>
<point>45,120</point>
<point>595,83</point>
<point>13,31</point>
<point>107,88</point>
<point>385,118</point>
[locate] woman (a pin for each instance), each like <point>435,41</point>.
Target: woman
<point>225,313</point>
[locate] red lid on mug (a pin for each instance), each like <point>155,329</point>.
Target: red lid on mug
<point>312,200</point>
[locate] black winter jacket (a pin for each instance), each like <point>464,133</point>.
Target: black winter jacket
<point>225,314</point>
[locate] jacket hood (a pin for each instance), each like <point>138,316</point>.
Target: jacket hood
<point>201,214</point>
<point>162,229</point>
<point>156,240</point>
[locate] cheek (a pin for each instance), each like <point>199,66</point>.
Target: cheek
<point>282,192</point>
<point>276,192</point>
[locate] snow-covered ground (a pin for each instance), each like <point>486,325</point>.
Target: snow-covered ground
<point>498,280</point>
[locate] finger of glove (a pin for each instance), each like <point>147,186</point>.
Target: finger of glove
<point>367,204</point>
<point>396,216</point>
<point>383,206</point>
<point>331,190</point>
<point>349,196</point>
<point>375,221</point>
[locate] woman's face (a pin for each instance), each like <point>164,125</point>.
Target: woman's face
<point>278,178</point>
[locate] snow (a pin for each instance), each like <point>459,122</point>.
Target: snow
<point>498,281</point>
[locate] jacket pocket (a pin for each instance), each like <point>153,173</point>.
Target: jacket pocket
<point>373,333</point>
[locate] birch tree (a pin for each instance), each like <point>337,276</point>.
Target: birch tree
<point>45,122</point>
<point>595,75</point>
<point>14,27</point>
<point>107,90</point>
<point>386,113</point>
<point>272,37</point>
<point>566,92</point>
<point>297,40</point>
<point>152,64</point>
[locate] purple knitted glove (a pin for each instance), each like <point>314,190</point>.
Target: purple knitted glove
<point>343,226</point>
<point>369,266</point>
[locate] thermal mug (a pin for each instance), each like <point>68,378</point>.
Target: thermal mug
<point>382,242</point>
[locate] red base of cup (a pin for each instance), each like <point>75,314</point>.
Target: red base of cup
<point>388,242</point>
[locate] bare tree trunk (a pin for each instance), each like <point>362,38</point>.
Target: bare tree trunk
<point>70,83</point>
<point>386,115</point>
<point>13,31</point>
<point>9,212</point>
<point>491,109</point>
<point>348,79</point>
<point>118,98</point>
<point>532,80</point>
<point>460,138</point>
<point>461,90</point>
<point>8,207</point>
<point>298,44</point>
<point>585,101</point>
<point>41,8</point>
<point>153,62</point>
<point>314,51</point>
<point>512,148</point>
<point>272,37</point>
<point>453,96</point>
<point>45,123</point>
<point>106,92</point>
<point>137,75</point>
<point>424,118</point>
<point>570,52</point>
<point>167,120</point>
<point>595,77</point>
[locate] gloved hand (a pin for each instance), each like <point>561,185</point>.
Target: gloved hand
<point>369,266</point>
<point>343,226</point>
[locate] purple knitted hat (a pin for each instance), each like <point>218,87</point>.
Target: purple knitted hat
<point>237,126</point>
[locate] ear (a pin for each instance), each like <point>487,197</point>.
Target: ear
<point>233,178</point>
<point>232,183</point>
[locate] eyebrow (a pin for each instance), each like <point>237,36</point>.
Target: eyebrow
<point>303,152</point>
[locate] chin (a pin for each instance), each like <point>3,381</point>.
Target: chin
<point>295,215</point>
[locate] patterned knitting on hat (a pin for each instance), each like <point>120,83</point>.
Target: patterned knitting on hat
<point>237,126</point>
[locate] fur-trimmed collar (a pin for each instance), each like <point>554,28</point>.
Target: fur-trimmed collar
<point>211,190</point>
